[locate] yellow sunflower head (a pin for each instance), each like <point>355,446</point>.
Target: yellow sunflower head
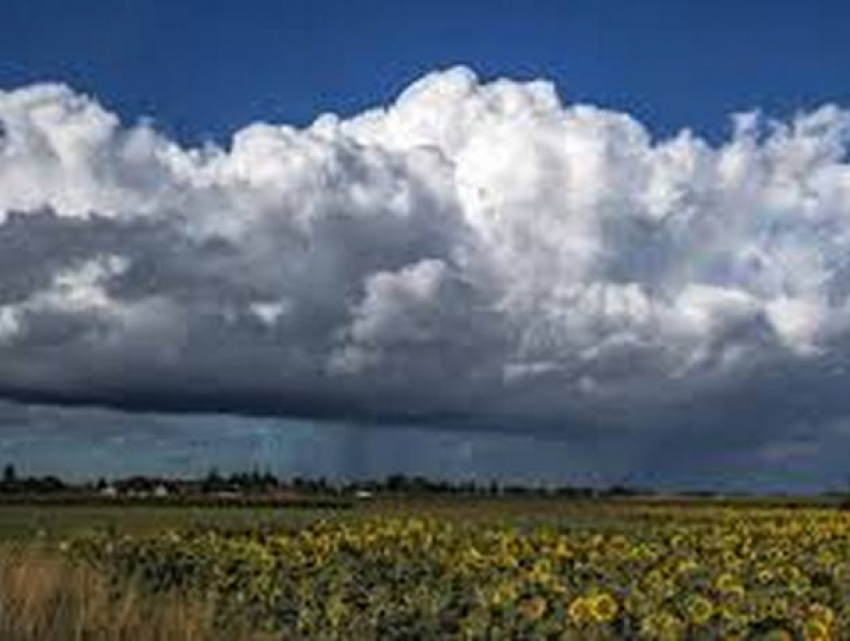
<point>579,611</point>
<point>700,610</point>
<point>603,608</point>
<point>816,630</point>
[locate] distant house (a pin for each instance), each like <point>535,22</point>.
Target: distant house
<point>109,491</point>
<point>363,494</point>
<point>160,491</point>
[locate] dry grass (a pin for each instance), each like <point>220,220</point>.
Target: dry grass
<point>44,598</point>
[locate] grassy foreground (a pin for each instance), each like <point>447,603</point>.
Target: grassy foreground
<point>45,598</point>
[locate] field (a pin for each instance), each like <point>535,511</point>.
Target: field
<point>435,569</point>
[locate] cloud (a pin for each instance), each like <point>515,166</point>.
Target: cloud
<point>472,255</point>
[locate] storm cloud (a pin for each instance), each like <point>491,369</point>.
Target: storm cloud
<point>474,255</point>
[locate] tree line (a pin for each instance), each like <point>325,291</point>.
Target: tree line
<point>257,482</point>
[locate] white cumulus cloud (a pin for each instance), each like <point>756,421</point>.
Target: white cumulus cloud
<point>473,253</point>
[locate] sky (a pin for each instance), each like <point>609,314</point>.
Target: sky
<point>562,242</point>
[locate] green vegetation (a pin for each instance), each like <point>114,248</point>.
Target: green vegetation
<point>53,524</point>
<point>438,567</point>
<point>625,570</point>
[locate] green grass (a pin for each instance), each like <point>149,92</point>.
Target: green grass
<point>29,523</point>
<point>53,523</point>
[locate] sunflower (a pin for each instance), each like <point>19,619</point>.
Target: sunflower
<point>779,608</point>
<point>603,607</point>
<point>579,611</point>
<point>535,607</point>
<point>816,630</point>
<point>822,613</point>
<point>729,585</point>
<point>699,610</point>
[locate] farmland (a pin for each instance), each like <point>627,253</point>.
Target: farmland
<point>454,568</point>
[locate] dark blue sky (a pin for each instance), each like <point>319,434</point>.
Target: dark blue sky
<point>202,68</point>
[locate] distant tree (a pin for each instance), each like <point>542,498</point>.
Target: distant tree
<point>269,481</point>
<point>10,476</point>
<point>44,484</point>
<point>213,482</point>
<point>395,482</point>
<point>321,485</point>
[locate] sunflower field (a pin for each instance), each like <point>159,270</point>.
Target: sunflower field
<point>665,573</point>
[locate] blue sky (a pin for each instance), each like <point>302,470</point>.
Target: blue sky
<point>204,68</point>
<point>200,71</point>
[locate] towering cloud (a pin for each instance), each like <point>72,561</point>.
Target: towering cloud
<point>475,254</point>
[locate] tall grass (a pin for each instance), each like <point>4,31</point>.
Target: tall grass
<point>45,598</point>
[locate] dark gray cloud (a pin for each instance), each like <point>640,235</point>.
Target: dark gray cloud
<point>474,256</point>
